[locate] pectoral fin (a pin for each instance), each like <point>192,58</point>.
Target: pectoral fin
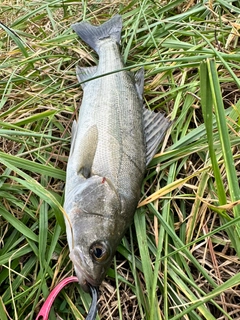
<point>73,138</point>
<point>155,126</point>
<point>87,152</point>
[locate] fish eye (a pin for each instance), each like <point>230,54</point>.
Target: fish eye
<point>100,251</point>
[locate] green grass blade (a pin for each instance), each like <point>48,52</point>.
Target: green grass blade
<point>18,225</point>
<point>224,134</point>
<point>16,39</point>
<point>33,166</point>
<point>14,254</point>
<point>3,310</point>
<point>33,185</point>
<point>140,225</point>
<point>215,292</point>
<point>207,109</point>
<point>211,95</point>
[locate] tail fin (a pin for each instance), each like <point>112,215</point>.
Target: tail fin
<point>93,35</point>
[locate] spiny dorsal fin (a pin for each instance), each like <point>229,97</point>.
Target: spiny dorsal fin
<point>155,126</point>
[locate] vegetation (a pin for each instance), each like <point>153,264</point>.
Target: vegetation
<point>181,257</point>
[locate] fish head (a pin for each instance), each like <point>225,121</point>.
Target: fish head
<point>91,263</point>
<point>96,229</point>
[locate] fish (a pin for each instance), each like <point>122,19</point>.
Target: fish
<point>112,143</point>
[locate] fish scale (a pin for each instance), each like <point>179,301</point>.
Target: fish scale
<point>118,128</point>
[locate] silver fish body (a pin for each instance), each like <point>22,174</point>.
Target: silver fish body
<point>113,141</point>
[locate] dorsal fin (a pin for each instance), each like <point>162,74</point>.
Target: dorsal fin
<point>155,126</point>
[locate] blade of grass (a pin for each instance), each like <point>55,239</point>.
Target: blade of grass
<point>31,166</point>
<point>140,225</point>
<point>3,310</point>
<point>16,39</point>
<point>215,292</point>
<point>18,225</point>
<point>34,186</point>
<point>211,95</point>
<point>223,133</point>
<point>118,293</point>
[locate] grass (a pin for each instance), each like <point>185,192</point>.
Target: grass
<point>180,259</point>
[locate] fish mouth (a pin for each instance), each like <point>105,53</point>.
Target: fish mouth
<point>85,280</point>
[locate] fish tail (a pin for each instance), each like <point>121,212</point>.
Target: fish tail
<point>93,35</point>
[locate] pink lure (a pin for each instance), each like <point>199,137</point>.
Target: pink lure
<point>44,312</point>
